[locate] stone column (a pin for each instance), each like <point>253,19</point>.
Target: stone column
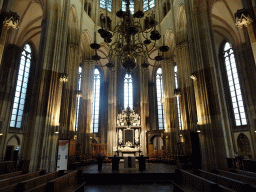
<point>40,143</point>
<point>170,106</point>
<point>243,19</point>
<point>68,108</point>
<point>9,70</point>
<point>144,106</point>
<point>203,65</point>
<point>11,21</point>
<point>112,92</point>
<point>85,132</point>
<point>188,112</point>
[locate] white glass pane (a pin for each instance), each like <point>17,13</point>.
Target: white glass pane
<point>244,122</point>
<point>18,124</point>
<point>242,115</point>
<point>13,118</point>
<point>238,123</point>
<point>233,94</point>
<point>12,124</point>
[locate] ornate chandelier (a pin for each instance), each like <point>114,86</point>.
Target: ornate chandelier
<point>131,41</point>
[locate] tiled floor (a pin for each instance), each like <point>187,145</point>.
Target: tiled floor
<point>129,188</point>
<point>150,168</point>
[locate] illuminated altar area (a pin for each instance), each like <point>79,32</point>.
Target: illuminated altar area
<point>128,131</point>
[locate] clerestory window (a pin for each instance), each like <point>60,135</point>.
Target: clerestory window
<point>106,4</point>
<point>148,4</point>
<point>21,87</point>
<point>131,7</point>
<point>128,91</point>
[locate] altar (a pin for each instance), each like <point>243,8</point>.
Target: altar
<point>128,131</point>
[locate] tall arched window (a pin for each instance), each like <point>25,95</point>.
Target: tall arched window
<point>178,99</point>
<point>78,96</point>
<point>106,4</point>
<point>96,101</point>
<point>131,6</point>
<point>159,91</point>
<point>148,4</point>
<point>128,91</point>
<point>21,87</point>
<point>234,86</point>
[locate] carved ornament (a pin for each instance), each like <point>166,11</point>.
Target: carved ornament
<point>242,17</point>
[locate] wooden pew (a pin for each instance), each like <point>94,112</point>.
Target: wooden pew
<point>37,181</point>
<point>227,182</point>
<point>189,181</point>
<point>10,183</point>
<point>69,181</point>
<point>7,167</point>
<point>9,175</point>
<point>19,178</point>
<point>247,173</point>
<point>239,177</point>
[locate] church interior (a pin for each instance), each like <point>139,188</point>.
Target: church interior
<point>172,81</point>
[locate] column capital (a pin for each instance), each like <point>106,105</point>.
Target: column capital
<point>182,45</point>
<point>73,46</point>
<point>87,62</point>
<point>243,18</point>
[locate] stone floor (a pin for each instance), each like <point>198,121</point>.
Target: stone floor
<point>150,168</point>
<point>129,188</point>
<point>156,177</point>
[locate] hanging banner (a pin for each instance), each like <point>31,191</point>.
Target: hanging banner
<point>62,161</point>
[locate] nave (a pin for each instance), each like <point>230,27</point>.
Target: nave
<point>161,177</point>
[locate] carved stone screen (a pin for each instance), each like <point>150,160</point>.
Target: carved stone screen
<point>128,136</point>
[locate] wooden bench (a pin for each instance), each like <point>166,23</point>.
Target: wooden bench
<point>19,178</point>
<point>247,173</point>
<point>239,177</point>
<point>226,182</point>
<point>37,181</point>
<point>65,182</point>
<point>195,183</point>
<point>7,167</point>
<point>177,188</point>
<point>9,175</point>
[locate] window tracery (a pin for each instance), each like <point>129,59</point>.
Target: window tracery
<point>96,101</point>
<point>234,86</point>
<point>21,87</point>
<point>159,90</point>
